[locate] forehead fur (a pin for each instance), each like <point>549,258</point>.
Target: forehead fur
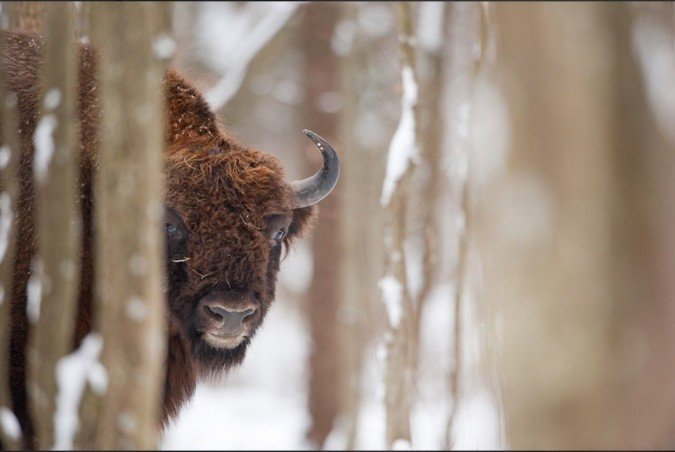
<point>237,180</point>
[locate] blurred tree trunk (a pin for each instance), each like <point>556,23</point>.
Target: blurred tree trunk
<point>26,16</point>
<point>369,95</point>
<point>326,362</point>
<point>577,237</point>
<point>426,183</point>
<point>130,264</point>
<point>57,258</point>
<point>396,294</point>
<point>461,269</point>
<point>9,190</point>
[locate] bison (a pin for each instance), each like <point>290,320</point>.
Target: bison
<point>229,214</point>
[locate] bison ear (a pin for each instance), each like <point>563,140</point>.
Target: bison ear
<point>190,116</point>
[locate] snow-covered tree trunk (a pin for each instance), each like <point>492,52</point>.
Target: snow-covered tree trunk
<point>130,302</point>
<point>52,299</point>
<point>10,432</point>
<point>326,369</point>
<point>577,231</point>
<point>401,163</point>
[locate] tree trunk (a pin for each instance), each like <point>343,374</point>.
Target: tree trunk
<point>57,260</point>
<point>130,302</point>
<point>577,235</point>
<point>403,154</point>
<point>10,432</point>
<point>326,380</point>
<point>26,16</point>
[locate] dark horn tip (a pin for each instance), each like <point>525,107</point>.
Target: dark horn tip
<point>313,189</point>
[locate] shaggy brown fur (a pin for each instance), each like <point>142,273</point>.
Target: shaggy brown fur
<point>224,203</point>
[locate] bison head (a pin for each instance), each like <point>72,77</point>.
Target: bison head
<point>230,213</point>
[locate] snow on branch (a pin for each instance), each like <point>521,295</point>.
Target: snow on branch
<point>403,148</point>
<point>234,40</point>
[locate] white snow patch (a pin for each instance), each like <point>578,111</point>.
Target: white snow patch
<point>392,295</point>
<point>34,291</point>
<point>2,294</point>
<point>430,26</point>
<point>401,444</point>
<point>44,145</point>
<point>414,259</point>
<point>137,309</point>
<point>477,425</point>
<point>73,372</point>
<point>343,37</point>
<point>10,424</point>
<point>403,148</point>
<point>52,98</point>
<point>653,47</point>
<point>126,422</point>
<point>5,222</point>
<point>164,46</point>
<point>5,154</point>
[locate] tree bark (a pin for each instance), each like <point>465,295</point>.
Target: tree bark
<point>26,16</point>
<point>577,235</point>
<point>57,259</point>
<point>9,189</point>
<point>130,302</point>
<point>326,369</point>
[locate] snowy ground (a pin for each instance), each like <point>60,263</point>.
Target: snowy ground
<point>262,404</point>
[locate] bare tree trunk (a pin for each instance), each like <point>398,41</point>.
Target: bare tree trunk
<point>403,154</point>
<point>26,16</point>
<point>129,212</point>
<point>577,234</point>
<point>367,91</point>
<point>57,257</point>
<point>461,269</point>
<point>326,374</point>
<point>10,432</point>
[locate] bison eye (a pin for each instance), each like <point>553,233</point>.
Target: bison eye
<point>277,227</point>
<point>279,235</point>
<point>171,229</point>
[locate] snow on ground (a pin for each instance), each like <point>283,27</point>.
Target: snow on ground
<point>261,404</point>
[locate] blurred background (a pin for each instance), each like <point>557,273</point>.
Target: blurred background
<point>495,267</point>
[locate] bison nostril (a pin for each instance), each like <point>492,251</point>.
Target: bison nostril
<point>215,312</point>
<point>247,313</point>
<point>228,320</point>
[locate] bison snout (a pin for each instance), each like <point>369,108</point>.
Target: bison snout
<point>230,320</point>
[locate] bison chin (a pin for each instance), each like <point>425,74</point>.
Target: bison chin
<point>214,360</point>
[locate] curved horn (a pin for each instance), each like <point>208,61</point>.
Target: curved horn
<point>310,191</point>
